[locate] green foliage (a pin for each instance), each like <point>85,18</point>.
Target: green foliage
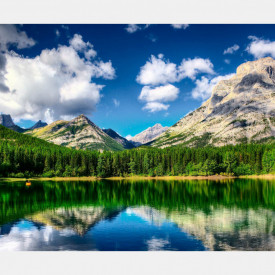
<point>25,155</point>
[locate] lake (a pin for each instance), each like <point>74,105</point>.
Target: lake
<point>142,215</point>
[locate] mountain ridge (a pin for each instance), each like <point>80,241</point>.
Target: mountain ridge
<point>79,133</point>
<point>123,141</point>
<point>240,110</point>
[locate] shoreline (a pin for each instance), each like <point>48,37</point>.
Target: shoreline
<point>92,178</point>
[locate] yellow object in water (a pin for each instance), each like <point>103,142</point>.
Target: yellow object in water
<point>28,183</point>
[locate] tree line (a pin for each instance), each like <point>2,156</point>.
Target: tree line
<point>25,156</point>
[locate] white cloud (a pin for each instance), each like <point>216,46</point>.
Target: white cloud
<point>116,102</point>
<point>131,28</point>
<point>227,61</point>
<point>11,35</point>
<point>159,94</point>
<point>192,67</point>
<point>232,49</point>
<point>79,45</point>
<point>158,70</point>
<point>204,86</point>
<point>154,97</point>
<point>153,107</point>
<point>53,85</point>
<point>260,48</point>
<point>180,26</point>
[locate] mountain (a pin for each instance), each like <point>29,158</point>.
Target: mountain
<point>148,135</point>
<point>7,121</point>
<point>78,219</point>
<point>123,141</point>
<point>240,110</point>
<point>80,133</point>
<point>38,124</point>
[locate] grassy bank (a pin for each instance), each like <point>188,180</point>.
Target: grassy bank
<point>213,177</point>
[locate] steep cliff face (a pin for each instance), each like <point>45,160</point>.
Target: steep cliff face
<point>78,133</point>
<point>148,135</point>
<point>7,121</point>
<point>240,110</point>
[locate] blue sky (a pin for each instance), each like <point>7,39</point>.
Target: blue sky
<point>122,77</point>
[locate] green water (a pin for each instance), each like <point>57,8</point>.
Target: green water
<point>234,214</point>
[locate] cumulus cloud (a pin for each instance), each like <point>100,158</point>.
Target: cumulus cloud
<point>157,75</point>
<point>158,70</point>
<point>204,86</point>
<point>232,49</point>
<point>79,45</point>
<point>153,107</point>
<point>192,67</point>
<point>56,84</point>
<point>160,94</point>
<point>260,47</point>
<point>180,26</point>
<point>11,35</point>
<point>227,61</point>
<point>154,97</point>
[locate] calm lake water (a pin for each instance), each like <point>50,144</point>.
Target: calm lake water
<point>138,215</point>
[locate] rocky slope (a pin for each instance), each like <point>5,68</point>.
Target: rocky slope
<point>7,121</point>
<point>78,133</point>
<point>240,110</point>
<point>123,141</point>
<point>148,135</point>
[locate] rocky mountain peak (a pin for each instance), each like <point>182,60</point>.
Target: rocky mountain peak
<point>240,109</point>
<point>79,133</point>
<point>264,66</point>
<point>149,134</point>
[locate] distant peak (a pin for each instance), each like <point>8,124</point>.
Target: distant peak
<point>39,124</point>
<point>157,125</point>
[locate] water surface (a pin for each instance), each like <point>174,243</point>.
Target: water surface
<point>190,215</point>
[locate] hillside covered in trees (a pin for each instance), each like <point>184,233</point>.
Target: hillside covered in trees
<point>26,156</point>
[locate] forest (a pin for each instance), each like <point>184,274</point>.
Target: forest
<point>25,156</point>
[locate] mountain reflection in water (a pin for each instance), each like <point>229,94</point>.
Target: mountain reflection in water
<point>138,215</point>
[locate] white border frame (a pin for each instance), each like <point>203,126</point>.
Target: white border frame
<point>137,11</point>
